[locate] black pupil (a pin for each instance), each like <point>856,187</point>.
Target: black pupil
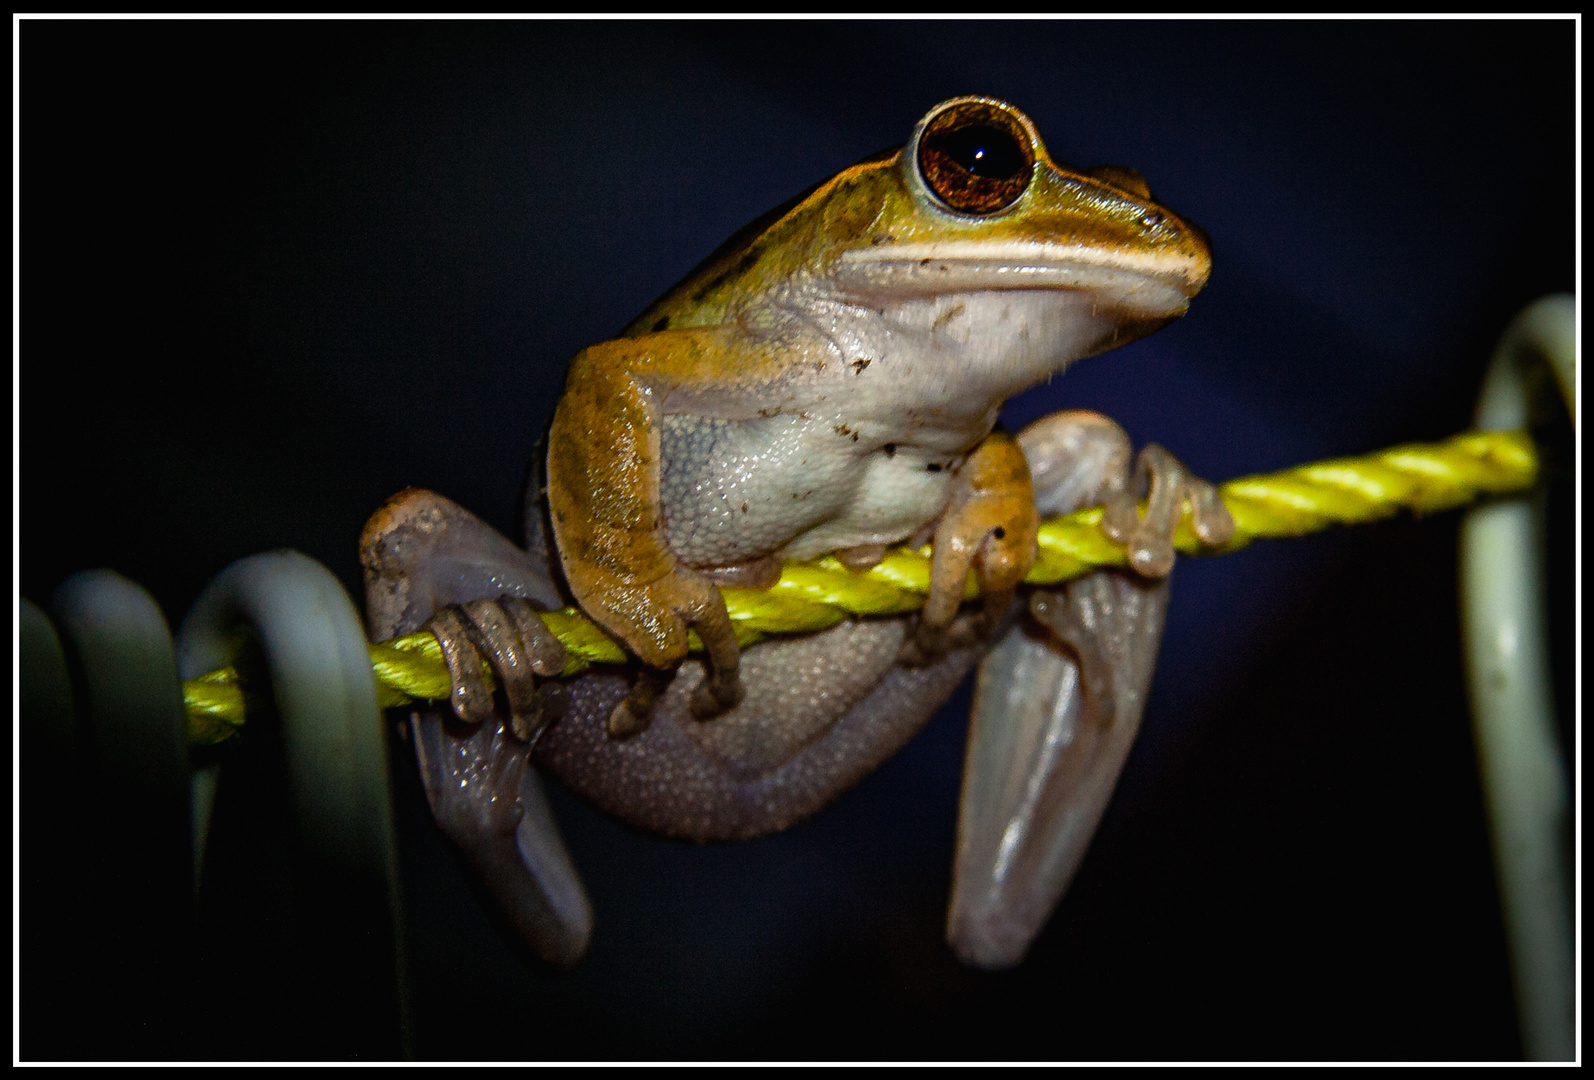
<point>984,151</point>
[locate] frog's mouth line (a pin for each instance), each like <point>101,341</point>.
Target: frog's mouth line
<point>1155,285</point>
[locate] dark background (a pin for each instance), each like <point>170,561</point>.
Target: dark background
<point>274,272</point>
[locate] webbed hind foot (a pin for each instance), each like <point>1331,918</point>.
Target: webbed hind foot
<point>1149,540</point>
<point>516,646</point>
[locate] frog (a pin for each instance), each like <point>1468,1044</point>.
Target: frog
<point>827,383</point>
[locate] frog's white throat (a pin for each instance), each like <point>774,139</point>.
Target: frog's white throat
<point>972,348</point>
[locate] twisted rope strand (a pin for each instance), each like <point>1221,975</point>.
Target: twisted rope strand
<point>1422,477</point>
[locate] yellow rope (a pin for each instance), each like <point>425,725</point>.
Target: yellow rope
<point>819,594</point>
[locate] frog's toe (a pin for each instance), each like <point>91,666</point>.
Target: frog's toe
<point>653,622</point>
<point>718,693</point>
<point>1150,552</point>
<point>469,695</point>
<point>928,644</point>
<point>924,644</point>
<point>1149,541</point>
<point>721,689</point>
<point>632,716</point>
<point>1210,519</point>
<point>1073,625</point>
<point>624,723</point>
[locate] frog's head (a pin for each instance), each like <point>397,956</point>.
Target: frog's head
<point>972,205</point>
<point>978,204</point>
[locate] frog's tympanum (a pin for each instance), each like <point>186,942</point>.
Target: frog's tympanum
<point>828,381</point>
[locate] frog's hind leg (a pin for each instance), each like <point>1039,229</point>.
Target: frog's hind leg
<point>1057,705</point>
<point>430,563</point>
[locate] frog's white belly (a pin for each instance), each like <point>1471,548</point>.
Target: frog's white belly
<point>799,486</point>
<point>868,427</point>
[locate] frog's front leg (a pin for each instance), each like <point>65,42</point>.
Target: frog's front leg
<point>430,563</point>
<point>1060,696</point>
<point>989,525</point>
<point>607,514</point>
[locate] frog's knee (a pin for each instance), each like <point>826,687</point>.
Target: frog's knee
<point>421,551</point>
<point>394,546</point>
<point>1076,459</point>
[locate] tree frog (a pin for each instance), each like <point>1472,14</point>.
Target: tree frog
<point>827,382</point>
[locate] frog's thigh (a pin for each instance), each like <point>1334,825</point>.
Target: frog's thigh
<point>1042,760</point>
<point>422,552</point>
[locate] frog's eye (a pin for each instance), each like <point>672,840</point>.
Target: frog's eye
<point>976,157</point>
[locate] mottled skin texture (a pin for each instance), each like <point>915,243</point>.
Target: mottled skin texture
<point>828,381</point>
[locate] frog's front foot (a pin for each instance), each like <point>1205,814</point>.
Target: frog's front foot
<point>653,619</point>
<point>1149,540</point>
<point>989,527</point>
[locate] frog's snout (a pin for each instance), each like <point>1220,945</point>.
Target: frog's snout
<point>1201,269</point>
